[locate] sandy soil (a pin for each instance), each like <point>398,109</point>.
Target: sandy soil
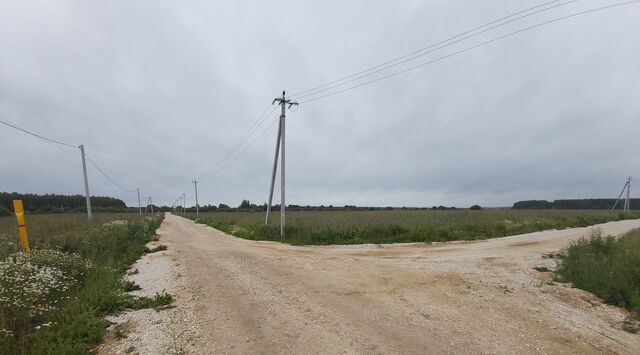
<point>484,297</point>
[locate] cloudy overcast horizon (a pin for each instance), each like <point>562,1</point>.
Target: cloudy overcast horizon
<point>160,91</point>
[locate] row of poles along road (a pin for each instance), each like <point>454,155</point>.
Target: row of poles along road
<point>179,205</point>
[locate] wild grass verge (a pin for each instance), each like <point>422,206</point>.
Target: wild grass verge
<point>398,226</point>
<point>608,267</point>
<point>53,300</point>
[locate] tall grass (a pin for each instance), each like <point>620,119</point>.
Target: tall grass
<point>608,267</point>
<point>74,321</point>
<point>393,226</point>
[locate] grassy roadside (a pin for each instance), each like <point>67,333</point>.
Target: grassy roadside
<point>608,267</point>
<point>53,299</point>
<point>358,227</point>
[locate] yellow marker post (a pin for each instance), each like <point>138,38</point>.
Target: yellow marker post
<point>22,226</point>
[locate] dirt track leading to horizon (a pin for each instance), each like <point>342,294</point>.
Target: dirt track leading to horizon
<point>460,297</point>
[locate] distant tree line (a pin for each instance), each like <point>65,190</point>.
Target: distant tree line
<point>576,204</point>
<point>246,205</point>
<point>53,203</point>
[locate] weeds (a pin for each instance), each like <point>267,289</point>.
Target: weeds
<point>158,301</point>
<point>155,249</point>
<point>396,226</point>
<point>53,299</point>
<point>542,269</point>
<point>608,267</point>
<point>128,286</point>
<point>119,333</point>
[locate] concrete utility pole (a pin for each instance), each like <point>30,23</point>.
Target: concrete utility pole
<point>184,203</point>
<point>627,202</point>
<point>280,148</point>
<point>149,204</point>
<point>195,184</point>
<point>139,204</point>
<point>86,181</point>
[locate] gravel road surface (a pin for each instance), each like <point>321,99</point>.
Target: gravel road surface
<point>484,297</point>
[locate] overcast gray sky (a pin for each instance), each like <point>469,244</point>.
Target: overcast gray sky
<point>160,91</point>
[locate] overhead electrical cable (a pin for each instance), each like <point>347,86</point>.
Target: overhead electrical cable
<point>66,145</point>
<point>37,135</point>
<point>426,50</point>
<point>252,129</point>
<point>247,147</point>
<point>105,175</point>
<point>392,63</point>
<point>471,48</point>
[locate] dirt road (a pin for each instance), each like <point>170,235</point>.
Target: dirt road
<point>462,297</point>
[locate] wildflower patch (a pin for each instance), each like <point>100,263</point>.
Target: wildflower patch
<point>35,283</point>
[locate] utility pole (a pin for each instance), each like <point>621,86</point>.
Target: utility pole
<point>139,205</point>
<point>184,203</point>
<point>149,204</point>
<point>86,181</point>
<point>280,148</point>
<point>628,201</point>
<point>179,204</point>
<point>195,184</point>
<point>627,187</point>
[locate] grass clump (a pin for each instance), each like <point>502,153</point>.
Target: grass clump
<point>608,267</point>
<point>128,286</point>
<point>155,249</point>
<point>158,301</point>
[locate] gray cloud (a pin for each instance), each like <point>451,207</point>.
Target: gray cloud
<point>160,91</point>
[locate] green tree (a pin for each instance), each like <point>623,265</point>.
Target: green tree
<point>245,204</point>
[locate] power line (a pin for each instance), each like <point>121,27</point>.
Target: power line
<point>472,47</point>
<point>412,55</point>
<point>252,129</point>
<point>105,175</point>
<point>37,135</point>
<point>246,147</point>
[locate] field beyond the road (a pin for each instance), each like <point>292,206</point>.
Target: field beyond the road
<point>398,226</point>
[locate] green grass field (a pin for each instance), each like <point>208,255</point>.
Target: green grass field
<point>53,299</point>
<point>394,226</point>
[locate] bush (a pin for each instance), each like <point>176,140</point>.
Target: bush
<point>608,267</point>
<point>4,211</point>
